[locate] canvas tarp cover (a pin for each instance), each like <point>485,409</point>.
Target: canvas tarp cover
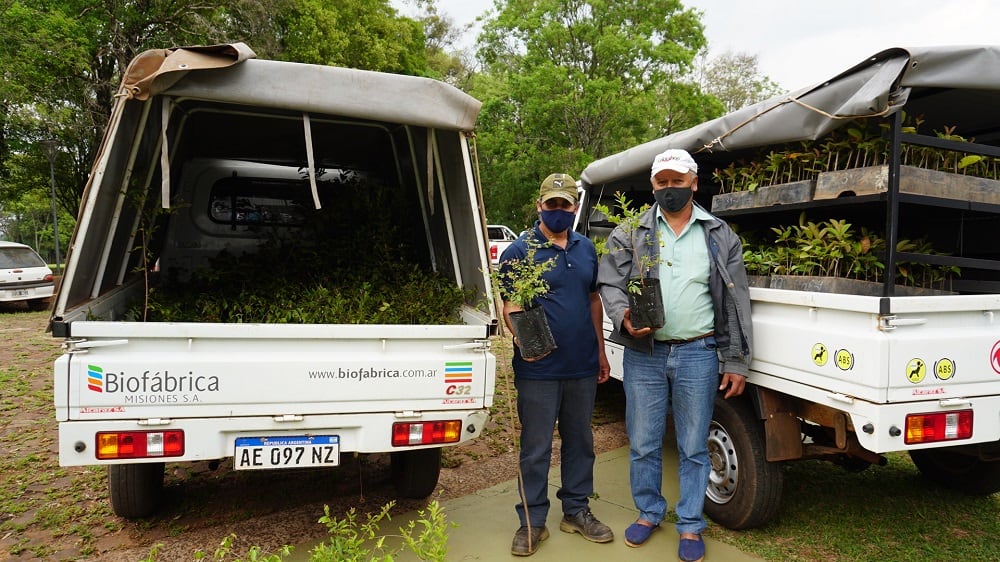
<point>878,86</point>
<point>230,74</point>
<point>152,71</point>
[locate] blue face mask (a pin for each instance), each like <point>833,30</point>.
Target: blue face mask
<point>557,220</point>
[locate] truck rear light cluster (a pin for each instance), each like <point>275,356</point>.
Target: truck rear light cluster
<point>426,433</point>
<point>493,252</point>
<point>938,426</point>
<point>140,444</point>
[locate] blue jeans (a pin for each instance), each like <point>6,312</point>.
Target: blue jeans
<point>684,378</point>
<point>540,403</point>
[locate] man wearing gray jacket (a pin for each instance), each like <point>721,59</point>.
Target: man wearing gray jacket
<point>705,333</point>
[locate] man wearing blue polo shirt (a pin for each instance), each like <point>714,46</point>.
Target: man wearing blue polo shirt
<point>706,333</point>
<point>561,386</point>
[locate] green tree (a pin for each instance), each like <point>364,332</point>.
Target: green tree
<point>445,60</point>
<point>735,79</point>
<point>62,61</point>
<point>569,81</point>
<point>366,34</point>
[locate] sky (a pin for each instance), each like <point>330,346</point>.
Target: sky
<point>799,43</point>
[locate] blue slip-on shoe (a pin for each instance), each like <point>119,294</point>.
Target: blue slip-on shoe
<point>691,550</point>
<point>637,534</point>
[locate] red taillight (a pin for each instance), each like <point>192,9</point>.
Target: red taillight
<point>938,426</point>
<point>49,277</point>
<point>493,252</point>
<point>140,444</point>
<point>426,433</point>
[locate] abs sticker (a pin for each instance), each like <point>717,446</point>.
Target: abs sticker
<point>944,369</point>
<point>844,359</point>
<point>916,370</point>
<point>820,355</point>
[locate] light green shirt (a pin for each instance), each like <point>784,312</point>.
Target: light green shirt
<point>684,269</point>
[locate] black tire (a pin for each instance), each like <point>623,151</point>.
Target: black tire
<point>744,489</point>
<point>951,469</point>
<point>135,489</point>
<point>415,473</point>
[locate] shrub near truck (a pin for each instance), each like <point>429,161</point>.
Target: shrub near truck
<point>222,173</point>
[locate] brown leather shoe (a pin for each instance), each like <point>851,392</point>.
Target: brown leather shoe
<point>526,540</point>
<point>587,525</point>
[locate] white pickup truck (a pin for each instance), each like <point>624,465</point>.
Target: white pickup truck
<point>211,153</point>
<point>850,377</point>
<point>500,237</point>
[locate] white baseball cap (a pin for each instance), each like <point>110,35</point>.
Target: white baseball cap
<point>674,159</point>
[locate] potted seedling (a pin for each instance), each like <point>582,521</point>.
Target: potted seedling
<point>645,299</point>
<point>522,283</point>
<point>854,160</point>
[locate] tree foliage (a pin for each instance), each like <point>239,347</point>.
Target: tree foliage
<point>735,79</point>
<point>356,33</point>
<point>563,82</point>
<point>445,60</point>
<point>573,80</point>
<point>62,61</point>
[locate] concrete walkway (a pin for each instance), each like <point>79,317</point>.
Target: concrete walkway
<point>486,521</point>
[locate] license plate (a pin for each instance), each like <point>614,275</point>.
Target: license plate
<point>286,452</point>
<point>20,292</point>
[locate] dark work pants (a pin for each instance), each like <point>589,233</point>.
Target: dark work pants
<point>540,405</point>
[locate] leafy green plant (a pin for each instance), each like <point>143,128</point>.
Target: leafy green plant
<point>628,220</point>
<point>351,540</point>
<point>224,553</point>
<point>522,281</point>
<point>834,249</point>
<point>860,143</point>
<point>297,282</point>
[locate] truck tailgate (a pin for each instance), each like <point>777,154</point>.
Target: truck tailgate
<point>900,349</point>
<point>129,370</point>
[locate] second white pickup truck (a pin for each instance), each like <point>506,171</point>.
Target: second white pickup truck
<point>850,377</point>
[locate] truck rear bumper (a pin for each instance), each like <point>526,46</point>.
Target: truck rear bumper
<point>215,438</point>
<point>881,428</point>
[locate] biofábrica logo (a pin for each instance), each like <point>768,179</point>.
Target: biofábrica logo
<point>106,382</point>
<point>457,371</point>
<point>95,378</point>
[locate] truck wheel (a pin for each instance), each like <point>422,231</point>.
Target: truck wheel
<point>415,473</point>
<point>951,469</point>
<point>135,488</point>
<point>744,489</point>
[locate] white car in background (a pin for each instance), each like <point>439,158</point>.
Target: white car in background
<point>500,237</point>
<point>24,276</point>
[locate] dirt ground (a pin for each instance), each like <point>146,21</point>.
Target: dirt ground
<point>49,512</point>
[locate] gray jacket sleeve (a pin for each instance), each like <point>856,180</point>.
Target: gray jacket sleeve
<point>735,356</point>
<point>613,274</point>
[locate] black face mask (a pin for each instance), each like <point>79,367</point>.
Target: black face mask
<point>672,199</point>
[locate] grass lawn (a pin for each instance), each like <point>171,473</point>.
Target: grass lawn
<point>881,513</point>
